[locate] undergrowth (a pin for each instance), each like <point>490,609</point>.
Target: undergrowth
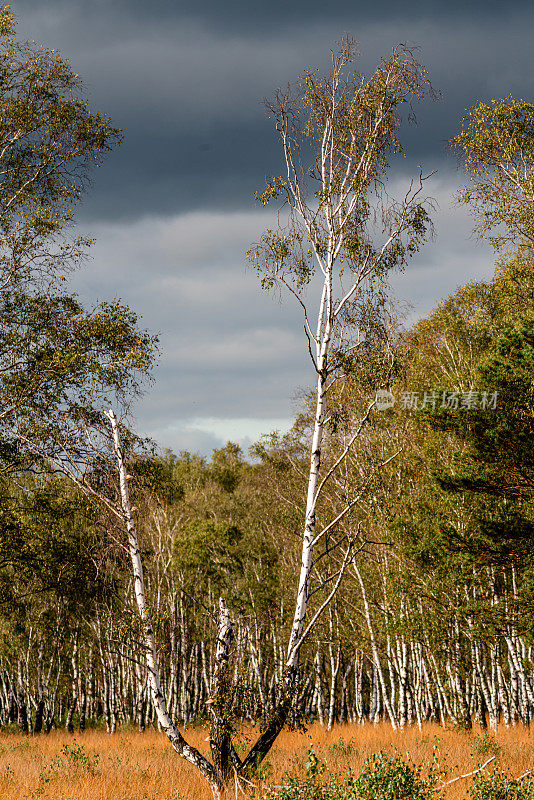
<point>387,776</point>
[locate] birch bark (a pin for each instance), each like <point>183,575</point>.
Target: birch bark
<point>175,737</point>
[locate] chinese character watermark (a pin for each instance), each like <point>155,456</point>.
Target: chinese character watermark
<point>432,400</point>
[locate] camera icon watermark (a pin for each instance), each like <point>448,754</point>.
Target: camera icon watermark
<point>384,400</point>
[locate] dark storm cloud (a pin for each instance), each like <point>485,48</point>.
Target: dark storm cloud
<point>242,16</point>
<point>230,352</point>
<point>173,210</point>
<point>186,81</point>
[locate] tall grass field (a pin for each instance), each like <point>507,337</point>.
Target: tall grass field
<point>133,766</point>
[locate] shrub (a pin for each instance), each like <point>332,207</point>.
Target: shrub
<point>486,745</point>
<point>500,786</point>
<point>386,777</point>
<point>344,748</point>
<point>383,777</point>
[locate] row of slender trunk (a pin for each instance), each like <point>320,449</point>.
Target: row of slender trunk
<point>91,678</point>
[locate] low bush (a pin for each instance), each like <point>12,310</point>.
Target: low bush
<point>383,777</point>
<point>390,777</point>
<point>500,786</point>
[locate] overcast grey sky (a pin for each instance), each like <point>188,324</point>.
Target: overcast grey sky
<point>173,210</point>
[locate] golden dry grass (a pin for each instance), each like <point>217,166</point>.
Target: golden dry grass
<point>131,766</point>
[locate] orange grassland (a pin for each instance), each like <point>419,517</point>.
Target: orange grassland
<point>133,766</point>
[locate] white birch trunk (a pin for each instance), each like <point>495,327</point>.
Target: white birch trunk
<point>176,739</point>
<point>376,657</point>
<point>301,605</point>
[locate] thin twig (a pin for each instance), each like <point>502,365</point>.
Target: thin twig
<point>467,774</point>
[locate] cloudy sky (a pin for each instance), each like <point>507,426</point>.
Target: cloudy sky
<point>173,210</point>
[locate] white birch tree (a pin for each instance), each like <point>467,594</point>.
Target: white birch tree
<point>350,234</point>
<point>344,234</point>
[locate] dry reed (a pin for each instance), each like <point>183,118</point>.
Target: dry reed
<point>133,766</point>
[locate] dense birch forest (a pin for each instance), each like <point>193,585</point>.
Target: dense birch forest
<point>372,564</point>
<point>432,620</point>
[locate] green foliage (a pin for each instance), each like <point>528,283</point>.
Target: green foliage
<point>486,745</point>
<point>509,370</point>
<point>226,466</point>
<point>360,117</point>
<point>387,777</point>
<point>478,512</point>
<point>58,362</point>
<point>344,748</point>
<point>309,787</point>
<point>156,476</point>
<point>62,361</point>
<point>214,547</point>
<point>500,786</point>
<point>496,147</point>
<point>74,756</point>
<point>383,777</point>
<point>50,141</point>
<point>71,759</point>
<point>43,532</point>
<point>500,461</point>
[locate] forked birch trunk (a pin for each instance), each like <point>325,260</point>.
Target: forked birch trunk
<point>352,125</point>
<point>222,751</point>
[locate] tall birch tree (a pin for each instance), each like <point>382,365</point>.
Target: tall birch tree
<point>347,233</point>
<point>344,234</point>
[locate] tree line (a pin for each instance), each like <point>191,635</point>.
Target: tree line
<point>431,621</point>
